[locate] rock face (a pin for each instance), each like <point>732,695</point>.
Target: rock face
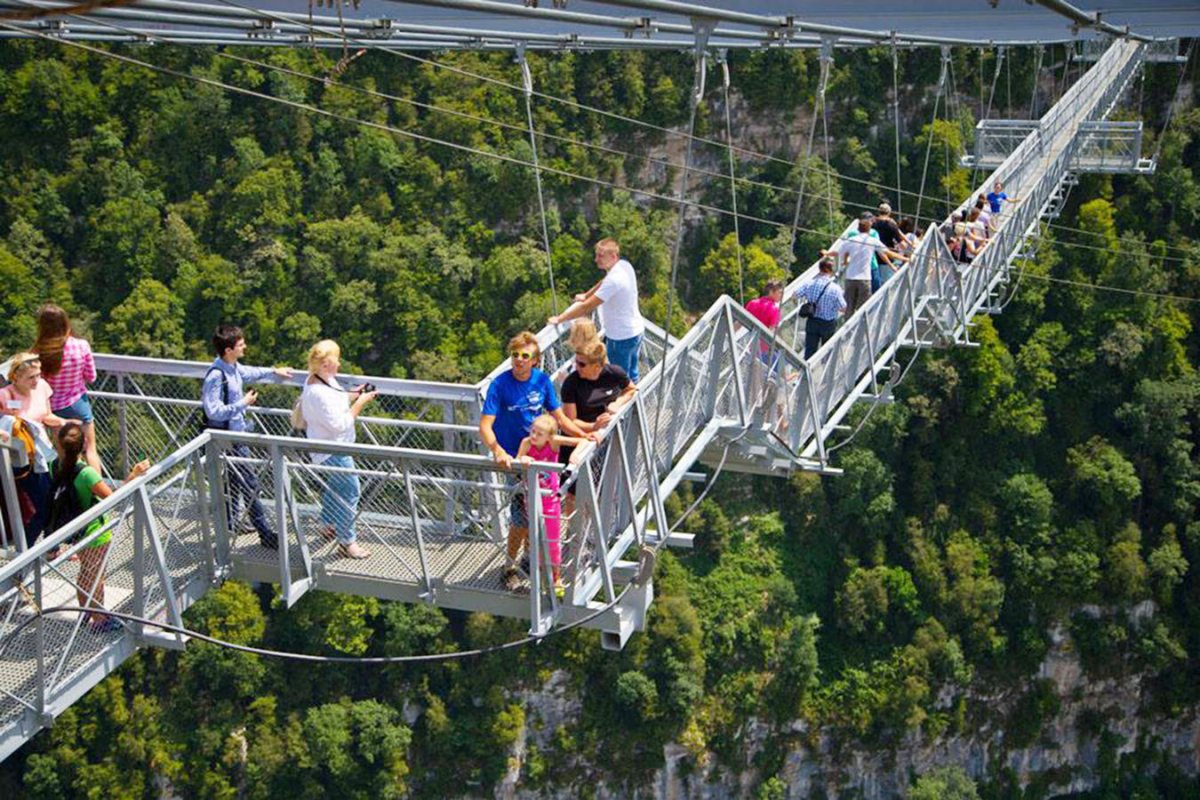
<point>837,768</point>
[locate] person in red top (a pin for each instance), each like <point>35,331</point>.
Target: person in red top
<point>68,367</point>
<point>765,309</point>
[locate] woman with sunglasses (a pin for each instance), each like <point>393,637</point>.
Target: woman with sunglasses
<point>591,395</point>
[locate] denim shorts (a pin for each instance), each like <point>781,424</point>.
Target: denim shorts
<point>81,410</point>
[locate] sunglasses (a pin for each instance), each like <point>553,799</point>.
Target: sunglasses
<point>522,354</point>
<point>579,362</point>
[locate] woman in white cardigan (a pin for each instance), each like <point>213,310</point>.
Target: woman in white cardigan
<point>329,414</point>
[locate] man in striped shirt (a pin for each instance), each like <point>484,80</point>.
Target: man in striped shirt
<point>825,294</point>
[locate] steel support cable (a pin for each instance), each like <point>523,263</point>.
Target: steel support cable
<point>723,58</point>
<point>527,77</point>
<point>328,81</point>
<point>394,130</point>
<point>818,99</point>
<point>476,151</point>
<point>952,119</point>
<point>424,658</point>
<point>833,226</point>
<point>1101,287</point>
<point>896,118</point>
<point>1037,74</point>
<point>929,144</point>
<point>876,402</point>
<point>1174,98</point>
<point>569,102</point>
<point>991,97</point>
<point>698,79</point>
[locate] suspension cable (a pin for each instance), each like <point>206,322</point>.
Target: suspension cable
<point>1174,99</point>
<point>1037,74</point>
<point>702,28</point>
<point>818,99</point>
<point>896,119</point>
<point>527,76</point>
<point>929,144</point>
<point>723,59</point>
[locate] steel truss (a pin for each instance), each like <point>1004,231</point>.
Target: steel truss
<point>434,511</point>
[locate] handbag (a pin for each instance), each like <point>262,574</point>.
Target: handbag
<point>809,307</point>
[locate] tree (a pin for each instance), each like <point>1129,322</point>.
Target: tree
<point>16,303</point>
<point>148,323</point>
<point>358,749</point>
<point>726,271</point>
<point>944,783</point>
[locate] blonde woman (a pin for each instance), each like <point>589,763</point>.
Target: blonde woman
<point>329,414</point>
<point>27,397</point>
<point>583,333</point>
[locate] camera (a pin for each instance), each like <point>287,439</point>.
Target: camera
<point>367,388</point>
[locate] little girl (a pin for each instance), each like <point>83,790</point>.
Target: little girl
<point>542,444</point>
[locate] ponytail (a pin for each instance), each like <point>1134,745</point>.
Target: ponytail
<point>70,445</point>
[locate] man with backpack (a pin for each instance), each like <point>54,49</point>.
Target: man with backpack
<point>224,403</point>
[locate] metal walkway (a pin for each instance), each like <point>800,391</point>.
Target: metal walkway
<point>433,511</point>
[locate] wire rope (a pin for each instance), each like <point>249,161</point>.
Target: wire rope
<point>812,132</point>
<point>697,96</point>
<point>424,658</point>
<point>1174,99</point>
<point>537,175</point>
<point>1102,287</point>
<point>1037,74</point>
<point>737,230</point>
<point>896,119</point>
<point>929,143</point>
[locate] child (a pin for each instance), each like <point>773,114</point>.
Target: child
<point>542,444</point>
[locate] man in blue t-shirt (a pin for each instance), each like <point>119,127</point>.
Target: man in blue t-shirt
<point>513,400</point>
<point>997,196</point>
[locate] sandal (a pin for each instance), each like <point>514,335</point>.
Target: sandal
<point>353,550</point>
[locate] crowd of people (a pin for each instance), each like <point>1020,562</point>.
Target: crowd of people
<point>524,418</point>
<point>47,412</point>
<point>867,253</point>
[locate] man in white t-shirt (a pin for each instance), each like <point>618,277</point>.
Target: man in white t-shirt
<point>856,252</point>
<point>616,295</point>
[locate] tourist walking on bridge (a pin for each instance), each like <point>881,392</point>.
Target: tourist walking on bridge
<point>857,252</point>
<point>616,296</point>
<point>828,302</point>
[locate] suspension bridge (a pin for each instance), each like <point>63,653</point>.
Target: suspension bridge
<point>433,508</point>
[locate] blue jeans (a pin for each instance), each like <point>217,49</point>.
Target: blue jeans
<point>339,501</point>
<point>624,353</point>
<point>81,410</point>
<point>243,490</point>
<point>816,333</point>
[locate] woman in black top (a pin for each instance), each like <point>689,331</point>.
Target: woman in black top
<point>590,396</point>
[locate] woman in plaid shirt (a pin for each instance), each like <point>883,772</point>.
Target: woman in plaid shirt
<point>68,367</point>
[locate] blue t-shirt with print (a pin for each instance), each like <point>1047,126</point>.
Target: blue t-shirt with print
<point>515,403</point>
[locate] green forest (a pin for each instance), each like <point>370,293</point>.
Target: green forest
<point>1042,483</point>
